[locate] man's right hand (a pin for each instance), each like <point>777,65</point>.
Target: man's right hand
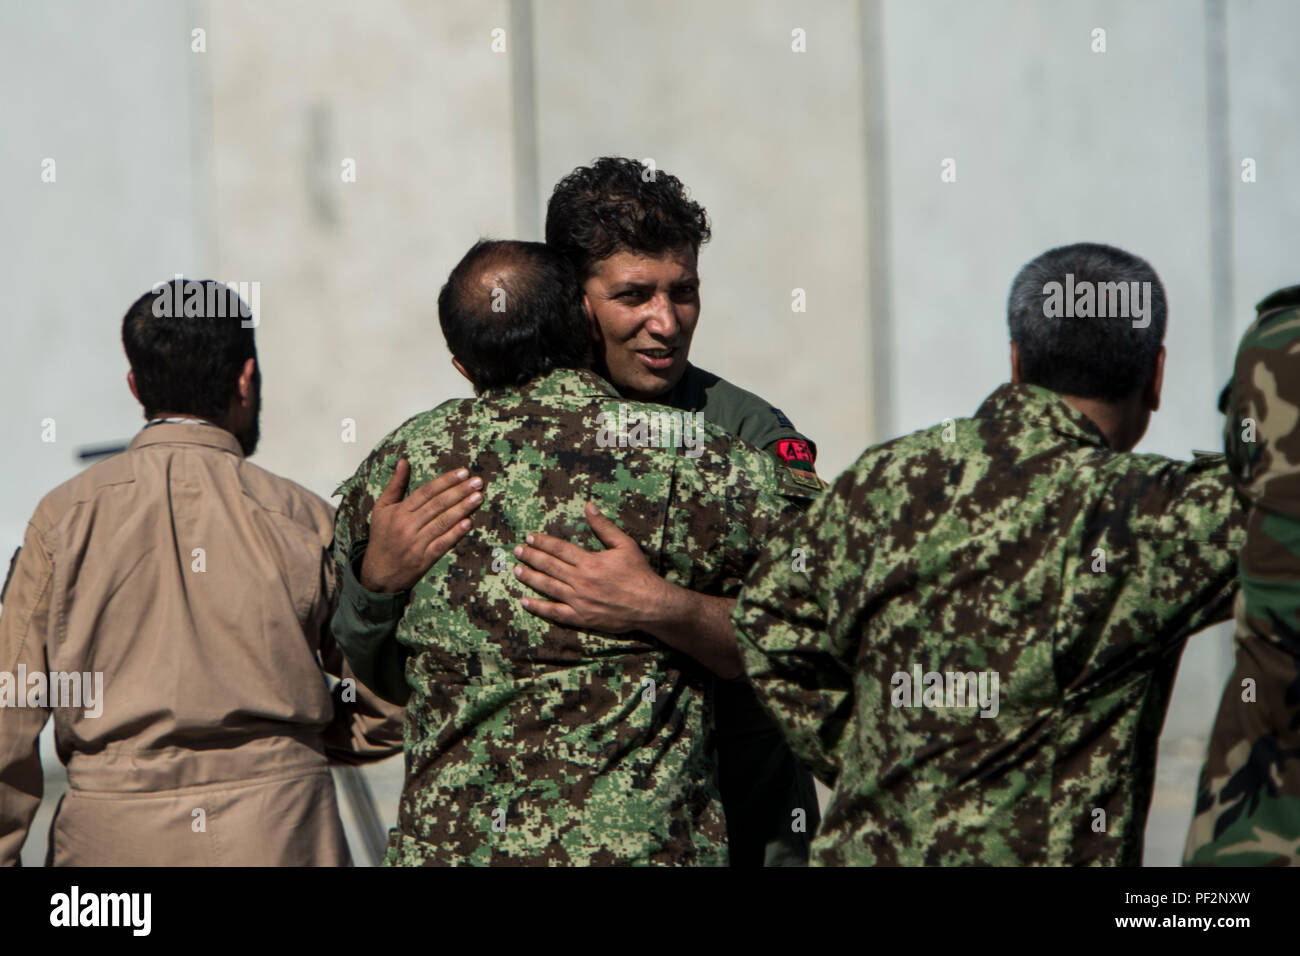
<point>409,535</point>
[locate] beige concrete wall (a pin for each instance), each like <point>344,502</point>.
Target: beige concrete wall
<point>350,272</point>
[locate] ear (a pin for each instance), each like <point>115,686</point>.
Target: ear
<point>455,363</point>
<point>1015,364</point>
<point>1152,397</point>
<point>592,325</point>
<point>130,383</point>
<point>247,375</point>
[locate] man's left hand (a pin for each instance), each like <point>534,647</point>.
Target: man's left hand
<point>613,591</point>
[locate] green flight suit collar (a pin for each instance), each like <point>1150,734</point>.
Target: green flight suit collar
<point>1024,404</point>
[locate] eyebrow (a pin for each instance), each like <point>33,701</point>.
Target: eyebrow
<point>638,285</point>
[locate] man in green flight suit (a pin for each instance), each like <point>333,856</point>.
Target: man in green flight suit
<point>529,742</point>
<point>977,644</point>
<point>634,235</point>
<point>1248,800</point>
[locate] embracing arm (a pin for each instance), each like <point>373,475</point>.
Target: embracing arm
<point>798,653</point>
<point>616,591</point>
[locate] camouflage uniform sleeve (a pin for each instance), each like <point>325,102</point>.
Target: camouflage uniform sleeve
<point>352,520</point>
<point>798,662</point>
<point>1187,525</point>
<point>758,509</point>
<point>1248,798</point>
<point>364,626</point>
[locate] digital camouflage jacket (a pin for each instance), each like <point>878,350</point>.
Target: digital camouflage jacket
<point>1015,560</point>
<point>528,742</point>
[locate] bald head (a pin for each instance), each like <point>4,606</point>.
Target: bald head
<point>512,311</point>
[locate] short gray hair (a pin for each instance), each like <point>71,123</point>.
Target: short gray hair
<point>1091,357</point>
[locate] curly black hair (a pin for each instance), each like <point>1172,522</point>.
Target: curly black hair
<point>620,205</point>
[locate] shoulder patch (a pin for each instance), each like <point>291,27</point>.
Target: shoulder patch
<point>804,478</point>
<point>796,453</point>
<point>780,417</point>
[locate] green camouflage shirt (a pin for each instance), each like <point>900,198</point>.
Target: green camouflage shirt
<point>769,799</point>
<point>1013,559</point>
<point>1248,801</point>
<point>528,742</point>
<point>365,622</point>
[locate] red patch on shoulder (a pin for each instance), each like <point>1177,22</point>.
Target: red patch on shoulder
<point>794,450</point>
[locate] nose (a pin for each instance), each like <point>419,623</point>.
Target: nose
<point>662,321</point>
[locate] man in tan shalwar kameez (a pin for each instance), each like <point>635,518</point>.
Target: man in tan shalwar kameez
<point>194,591</point>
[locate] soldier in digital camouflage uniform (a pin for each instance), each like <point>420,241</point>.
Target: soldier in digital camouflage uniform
<point>634,236</point>
<point>1026,542</point>
<point>529,742</point>
<point>1248,801</point>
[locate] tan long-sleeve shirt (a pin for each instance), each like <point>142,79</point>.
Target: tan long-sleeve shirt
<point>192,592</point>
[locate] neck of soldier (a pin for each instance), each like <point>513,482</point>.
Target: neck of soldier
<point>165,414</point>
<point>1123,422</point>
